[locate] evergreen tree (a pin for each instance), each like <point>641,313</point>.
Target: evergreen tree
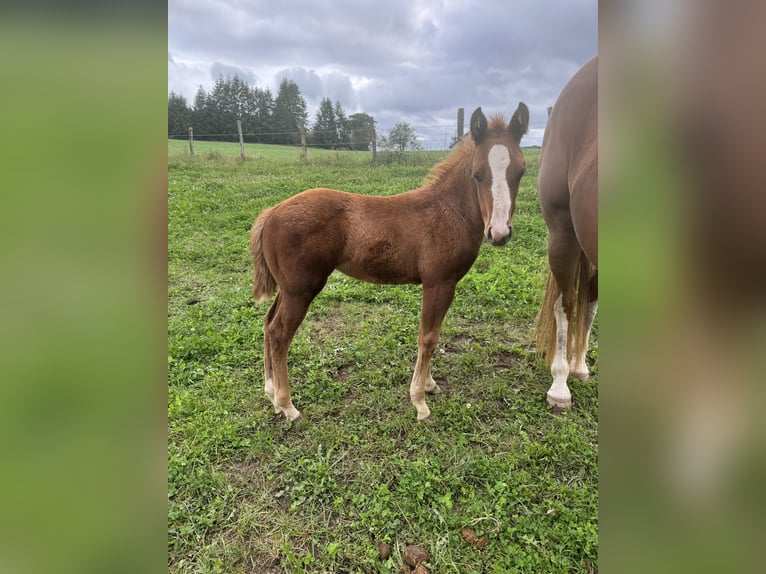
<point>200,114</point>
<point>289,113</point>
<point>361,128</point>
<point>214,115</point>
<point>264,113</point>
<point>249,113</point>
<point>325,130</point>
<point>179,116</point>
<point>239,93</point>
<point>221,110</point>
<point>341,123</point>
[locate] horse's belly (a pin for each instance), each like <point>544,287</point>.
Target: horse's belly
<point>378,267</point>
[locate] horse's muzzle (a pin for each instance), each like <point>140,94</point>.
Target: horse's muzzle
<point>499,241</point>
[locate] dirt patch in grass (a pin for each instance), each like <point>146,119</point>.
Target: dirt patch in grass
<point>506,360</point>
<point>328,324</point>
<point>458,343</point>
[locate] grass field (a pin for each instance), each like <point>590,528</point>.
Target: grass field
<point>248,492</point>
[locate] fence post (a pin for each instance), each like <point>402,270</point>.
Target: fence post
<point>191,142</point>
<point>241,141</point>
<point>374,145</point>
<point>460,121</point>
<point>304,151</point>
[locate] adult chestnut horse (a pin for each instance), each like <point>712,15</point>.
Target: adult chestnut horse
<point>430,235</point>
<point>568,193</point>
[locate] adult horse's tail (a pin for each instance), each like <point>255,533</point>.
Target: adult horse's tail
<point>578,327</point>
<point>264,284</point>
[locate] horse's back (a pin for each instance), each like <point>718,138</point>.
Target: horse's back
<point>570,146</point>
<point>568,176</point>
<point>379,239</point>
<point>321,229</point>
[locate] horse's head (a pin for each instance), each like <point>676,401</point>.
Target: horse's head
<point>498,164</point>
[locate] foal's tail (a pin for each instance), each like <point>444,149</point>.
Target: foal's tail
<point>545,323</point>
<point>264,284</point>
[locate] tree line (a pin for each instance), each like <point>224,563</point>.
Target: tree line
<point>266,119</point>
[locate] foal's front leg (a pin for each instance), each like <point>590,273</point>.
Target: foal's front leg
<point>436,301</point>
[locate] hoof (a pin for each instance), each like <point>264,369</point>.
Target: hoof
<point>425,418</point>
<point>296,420</point>
<point>291,413</point>
<point>434,391</point>
<point>558,403</point>
<point>582,377</point>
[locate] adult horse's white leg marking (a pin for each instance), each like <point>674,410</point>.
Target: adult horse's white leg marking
<point>577,366</point>
<point>558,394</point>
<point>499,160</point>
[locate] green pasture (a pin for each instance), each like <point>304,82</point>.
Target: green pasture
<point>249,492</point>
<point>223,150</point>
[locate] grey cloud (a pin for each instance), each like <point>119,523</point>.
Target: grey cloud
<point>308,81</point>
<point>314,86</point>
<point>410,60</point>
<point>337,87</point>
<point>227,71</point>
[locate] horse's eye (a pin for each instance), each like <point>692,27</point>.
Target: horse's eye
<point>477,176</point>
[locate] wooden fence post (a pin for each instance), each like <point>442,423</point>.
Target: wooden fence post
<point>460,121</point>
<point>304,151</point>
<point>191,142</point>
<point>374,145</point>
<point>241,141</point>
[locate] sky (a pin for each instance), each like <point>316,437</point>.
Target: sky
<point>413,61</point>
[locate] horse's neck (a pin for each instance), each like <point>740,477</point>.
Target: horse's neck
<point>455,191</point>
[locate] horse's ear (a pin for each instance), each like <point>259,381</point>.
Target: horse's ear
<point>478,125</point>
<point>520,121</point>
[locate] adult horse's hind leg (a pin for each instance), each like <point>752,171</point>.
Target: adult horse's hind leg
<point>436,301</point>
<point>578,368</point>
<point>289,311</point>
<point>563,256</point>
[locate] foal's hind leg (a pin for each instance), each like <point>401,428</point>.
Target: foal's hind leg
<point>288,315</point>
<point>268,373</point>
<point>436,302</point>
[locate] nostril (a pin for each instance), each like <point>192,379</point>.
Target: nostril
<point>494,238</point>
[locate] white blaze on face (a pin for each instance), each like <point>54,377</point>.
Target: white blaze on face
<point>499,160</point>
